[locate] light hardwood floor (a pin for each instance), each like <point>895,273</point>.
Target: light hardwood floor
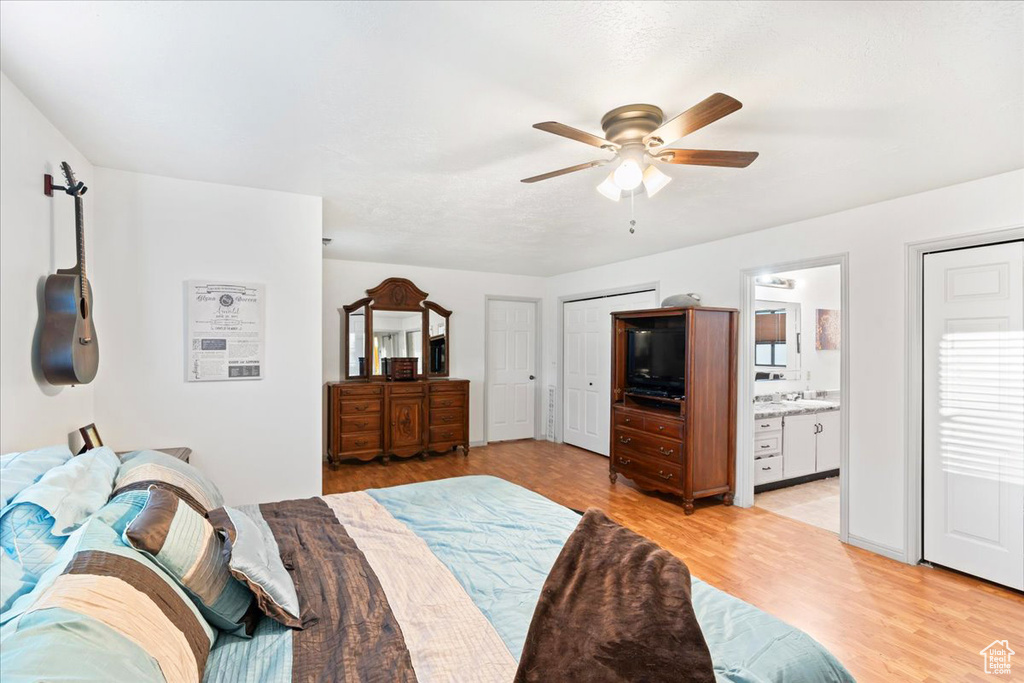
<point>884,620</point>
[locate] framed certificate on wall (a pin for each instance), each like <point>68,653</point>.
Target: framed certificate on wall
<point>225,336</point>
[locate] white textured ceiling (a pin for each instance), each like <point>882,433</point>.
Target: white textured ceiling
<point>413,120</point>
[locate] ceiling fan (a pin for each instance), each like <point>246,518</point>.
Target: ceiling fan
<point>637,134</point>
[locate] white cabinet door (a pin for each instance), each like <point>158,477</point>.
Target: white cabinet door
<point>974,411</point>
<point>798,440</point>
<point>828,441</point>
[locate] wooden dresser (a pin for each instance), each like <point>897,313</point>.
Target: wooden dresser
<point>371,418</point>
<point>682,446</point>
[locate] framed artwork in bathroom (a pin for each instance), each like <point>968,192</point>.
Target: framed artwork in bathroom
<point>826,333</point>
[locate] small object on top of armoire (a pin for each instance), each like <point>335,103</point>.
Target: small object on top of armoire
<point>673,401</point>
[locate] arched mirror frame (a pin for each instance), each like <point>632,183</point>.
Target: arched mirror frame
<point>396,294</point>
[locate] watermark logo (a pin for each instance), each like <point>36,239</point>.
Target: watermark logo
<point>997,657</point>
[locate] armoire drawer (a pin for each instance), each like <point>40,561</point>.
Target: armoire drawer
<point>448,387</point>
<point>667,427</point>
<point>649,445</point>
<point>362,390</point>
<point>651,469</point>
<point>399,389</point>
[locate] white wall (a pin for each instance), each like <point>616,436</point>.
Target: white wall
<point>258,440</point>
<point>815,288</point>
<point>460,291</point>
<point>875,237</point>
<point>37,236</point>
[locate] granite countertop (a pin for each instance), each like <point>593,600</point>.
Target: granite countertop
<point>798,407</point>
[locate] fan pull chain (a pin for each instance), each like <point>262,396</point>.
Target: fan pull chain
<point>632,221</point>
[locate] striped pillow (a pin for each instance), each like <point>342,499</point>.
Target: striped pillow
<point>181,541</point>
<point>141,469</point>
<point>104,612</point>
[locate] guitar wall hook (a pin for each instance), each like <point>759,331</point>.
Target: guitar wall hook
<point>68,350</point>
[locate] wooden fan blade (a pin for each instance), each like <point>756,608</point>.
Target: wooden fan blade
<point>563,171</point>
<point>705,157</point>
<point>574,134</point>
<point>694,118</point>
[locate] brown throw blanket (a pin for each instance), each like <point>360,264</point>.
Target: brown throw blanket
<point>615,607</point>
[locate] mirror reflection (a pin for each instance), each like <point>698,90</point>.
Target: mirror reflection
<point>356,331</point>
<point>438,330</point>
<point>776,340</point>
<point>397,334</point>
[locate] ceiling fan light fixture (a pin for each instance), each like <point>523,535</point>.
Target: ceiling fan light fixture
<point>655,180</point>
<point>609,189</point>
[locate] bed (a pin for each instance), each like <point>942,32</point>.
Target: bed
<point>434,581</point>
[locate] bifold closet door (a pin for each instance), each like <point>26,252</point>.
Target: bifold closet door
<point>974,411</point>
<point>587,366</point>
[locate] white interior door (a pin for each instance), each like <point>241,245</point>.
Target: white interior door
<point>511,369</point>
<point>586,366</point>
<point>974,411</point>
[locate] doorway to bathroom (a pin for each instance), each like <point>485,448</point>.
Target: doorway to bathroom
<point>795,378</point>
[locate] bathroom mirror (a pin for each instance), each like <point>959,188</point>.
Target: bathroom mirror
<point>777,340</point>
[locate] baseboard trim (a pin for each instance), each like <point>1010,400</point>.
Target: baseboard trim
<point>878,548</point>
<point>477,444</point>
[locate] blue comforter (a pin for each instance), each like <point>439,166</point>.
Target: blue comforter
<point>499,541</point>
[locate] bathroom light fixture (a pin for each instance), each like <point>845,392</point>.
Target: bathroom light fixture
<point>775,281</point>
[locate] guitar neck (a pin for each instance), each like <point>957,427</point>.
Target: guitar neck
<point>80,238</point>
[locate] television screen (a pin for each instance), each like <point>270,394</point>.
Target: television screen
<point>656,359</point>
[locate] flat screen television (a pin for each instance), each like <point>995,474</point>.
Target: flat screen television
<point>656,359</point>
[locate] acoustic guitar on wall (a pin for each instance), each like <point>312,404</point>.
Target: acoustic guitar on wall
<point>68,350</point>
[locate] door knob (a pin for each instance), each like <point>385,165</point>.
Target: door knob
<point>591,383</point>
<point>532,377</point>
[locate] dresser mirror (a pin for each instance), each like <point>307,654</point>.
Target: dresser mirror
<point>395,320</point>
<point>437,341</point>
<point>355,339</point>
<point>397,334</point>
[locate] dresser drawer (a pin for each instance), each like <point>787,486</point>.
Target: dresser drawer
<point>768,444</point>
<point>443,400</point>
<point>624,418</point>
<point>440,417</point>
<point>635,466</point>
<point>667,427</point>
<point>410,389</point>
<point>448,387</point>
<point>369,441</point>
<point>767,424</point>
<point>767,470</point>
<point>358,406</point>
<point>648,445</point>
<point>361,390</point>
<point>447,434</point>
<point>370,422</point>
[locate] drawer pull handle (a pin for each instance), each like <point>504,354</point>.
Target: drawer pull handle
<point>361,406</point>
<point>661,428</point>
<point>447,418</point>
<point>625,439</point>
<point>627,420</point>
<point>663,475</point>
<point>362,424</point>
<point>360,442</point>
<point>766,445</point>
<point>446,402</point>
<point>766,425</point>
<point>765,469</point>
<point>664,452</point>
<point>624,461</point>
